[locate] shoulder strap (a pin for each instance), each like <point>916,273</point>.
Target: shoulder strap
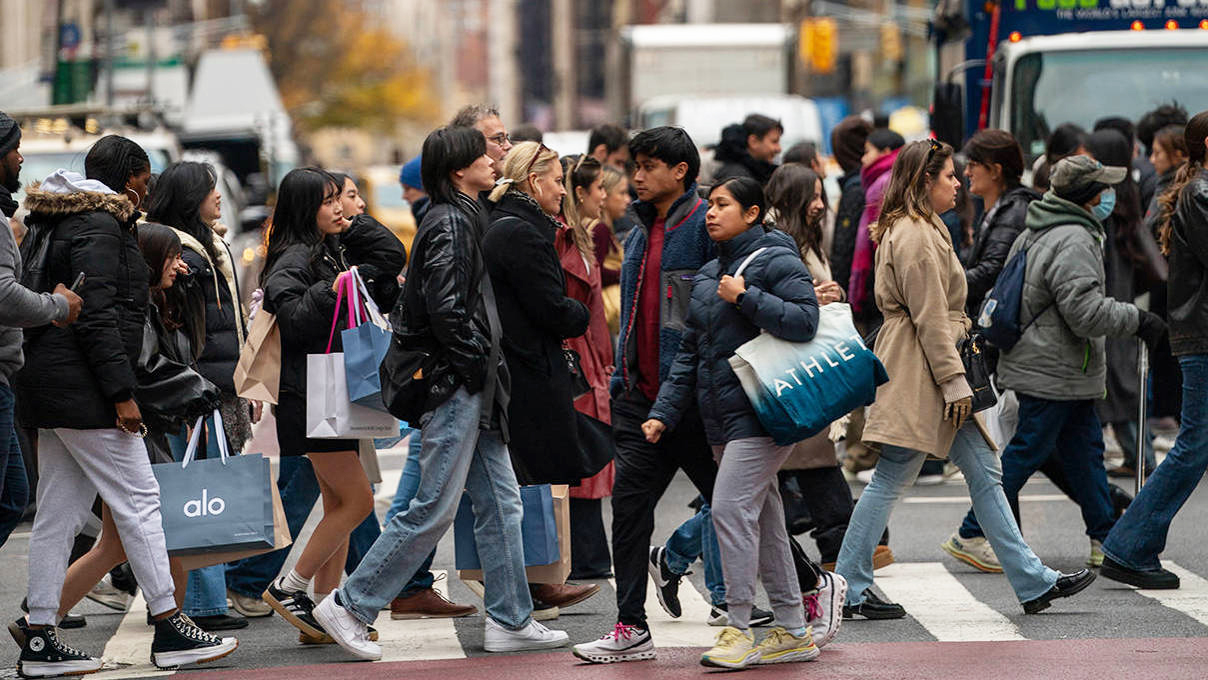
<point>742,267</point>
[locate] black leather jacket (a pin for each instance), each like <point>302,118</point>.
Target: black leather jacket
<point>1188,283</point>
<point>441,309</point>
<point>993,243</point>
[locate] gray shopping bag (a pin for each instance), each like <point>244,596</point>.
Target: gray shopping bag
<point>216,504</point>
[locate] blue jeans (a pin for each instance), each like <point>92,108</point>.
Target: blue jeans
<point>205,594</point>
<point>1042,424</point>
<point>1126,435</point>
<point>299,492</point>
<point>454,455</point>
<point>408,485</point>
<point>897,470</point>
<point>14,485</point>
<point>693,539</point>
<point>1140,535</point>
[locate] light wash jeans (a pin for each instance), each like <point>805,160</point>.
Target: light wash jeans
<point>454,455</point>
<point>897,470</point>
<point>1140,534</point>
<point>408,485</point>
<point>693,539</point>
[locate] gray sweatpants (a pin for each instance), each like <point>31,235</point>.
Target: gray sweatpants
<point>73,467</point>
<point>748,517</point>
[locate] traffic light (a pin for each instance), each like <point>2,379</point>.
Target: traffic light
<point>819,43</point>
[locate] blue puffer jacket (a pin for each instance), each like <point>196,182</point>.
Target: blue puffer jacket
<point>779,299</point>
<point>686,248</point>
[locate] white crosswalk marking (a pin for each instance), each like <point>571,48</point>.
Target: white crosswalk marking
<point>130,646</point>
<point>1191,598</point>
<point>937,600</point>
<point>423,639</point>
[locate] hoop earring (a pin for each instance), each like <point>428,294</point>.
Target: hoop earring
<point>137,201</point>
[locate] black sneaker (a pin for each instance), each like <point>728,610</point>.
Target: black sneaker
<point>666,582</point>
<point>1149,579</point>
<point>44,655</point>
<point>67,623</point>
<point>296,608</point>
<point>220,622</point>
<point>1067,585</point>
<point>178,642</point>
<point>874,608</point>
<point>719,615</point>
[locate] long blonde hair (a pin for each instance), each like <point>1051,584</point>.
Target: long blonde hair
<point>908,194</point>
<point>579,172</point>
<point>522,162</point>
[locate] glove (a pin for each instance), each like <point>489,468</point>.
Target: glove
<point>958,400</point>
<point>1151,330</point>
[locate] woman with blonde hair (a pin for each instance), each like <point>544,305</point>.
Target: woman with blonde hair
<point>537,317</point>
<point>925,408</point>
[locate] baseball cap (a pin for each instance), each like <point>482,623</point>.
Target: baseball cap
<point>1076,177</point>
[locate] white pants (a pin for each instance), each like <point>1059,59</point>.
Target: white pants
<point>74,466</point>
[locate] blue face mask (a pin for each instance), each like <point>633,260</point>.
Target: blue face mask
<point>1107,203</point>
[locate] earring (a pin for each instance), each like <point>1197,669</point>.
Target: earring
<point>136,200</point>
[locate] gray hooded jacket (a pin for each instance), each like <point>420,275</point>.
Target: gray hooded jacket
<point>1061,355</point>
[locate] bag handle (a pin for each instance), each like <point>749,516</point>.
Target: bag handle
<point>742,267</point>
<point>369,308</point>
<point>195,439</point>
<point>342,289</point>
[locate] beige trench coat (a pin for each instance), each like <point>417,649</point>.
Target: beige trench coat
<point>920,288</point>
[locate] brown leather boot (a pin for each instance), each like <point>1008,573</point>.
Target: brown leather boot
<point>563,595</point>
<point>428,604</point>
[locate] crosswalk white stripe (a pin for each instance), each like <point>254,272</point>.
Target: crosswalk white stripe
<point>422,639</point>
<point>1191,598</point>
<point>130,646</point>
<point>938,601</point>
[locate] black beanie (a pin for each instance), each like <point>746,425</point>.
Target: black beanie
<point>10,133</point>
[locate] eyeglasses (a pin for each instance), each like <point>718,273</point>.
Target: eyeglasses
<point>500,139</point>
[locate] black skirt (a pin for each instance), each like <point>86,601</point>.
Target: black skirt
<point>291,430</point>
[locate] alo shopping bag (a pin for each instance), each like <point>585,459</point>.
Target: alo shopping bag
<point>545,531</point>
<point>330,414</point>
<point>365,346</point>
<point>798,389</point>
<point>258,372</point>
<point>219,509</point>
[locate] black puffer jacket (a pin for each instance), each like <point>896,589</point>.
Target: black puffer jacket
<point>779,299</point>
<point>213,286</point>
<point>994,239</point>
<point>1187,301</point>
<point>379,255</point>
<point>73,376</point>
<point>847,225</point>
<point>736,161</point>
<point>441,309</point>
<point>297,289</point>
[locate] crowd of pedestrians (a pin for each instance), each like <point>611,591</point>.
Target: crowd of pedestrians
<point>574,320</point>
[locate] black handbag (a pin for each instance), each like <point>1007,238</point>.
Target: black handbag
<point>404,376</point>
<point>574,364</point>
<point>169,392</point>
<point>977,371</point>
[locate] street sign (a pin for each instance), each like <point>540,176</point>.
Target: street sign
<point>69,36</point>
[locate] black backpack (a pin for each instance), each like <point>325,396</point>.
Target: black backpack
<point>35,258</point>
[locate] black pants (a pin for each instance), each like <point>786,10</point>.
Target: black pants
<point>589,556</point>
<point>827,498</point>
<point>644,471</point>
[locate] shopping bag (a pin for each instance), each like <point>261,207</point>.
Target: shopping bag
<point>365,346</point>
<point>258,372</point>
<point>545,531</point>
<point>330,414</point>
<point>798,388</point>
<point>219,507</point>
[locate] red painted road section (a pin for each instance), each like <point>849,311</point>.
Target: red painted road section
<point>1144,659</point>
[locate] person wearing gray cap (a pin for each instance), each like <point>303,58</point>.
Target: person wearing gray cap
<point>19,308</point>
<point>1058,368</point>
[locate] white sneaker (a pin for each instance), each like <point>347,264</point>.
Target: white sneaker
<point>532,636</point>
<point>622,643</point>
<point>105,593</point>
<point>825,612</point>
<point>347,630</point>
<point>976,552</point>
<point>249,607</point>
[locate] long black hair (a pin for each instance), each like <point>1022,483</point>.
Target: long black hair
<point>179,192</point>
<point>158,244</point>
<point>299,198</point>
<point>113,160</point>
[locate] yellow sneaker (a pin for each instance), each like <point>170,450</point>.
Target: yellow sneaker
<point>781,646</point>
<point>733,649</point>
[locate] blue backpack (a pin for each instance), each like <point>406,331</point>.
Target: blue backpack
<point>1000,314</point>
